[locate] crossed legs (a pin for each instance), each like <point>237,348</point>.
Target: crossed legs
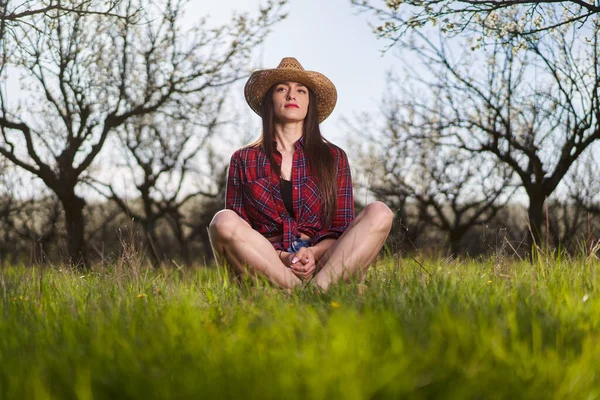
<point>358,246</point>
<point>248,251</point>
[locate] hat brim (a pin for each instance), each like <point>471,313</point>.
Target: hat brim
<point>261,81</point>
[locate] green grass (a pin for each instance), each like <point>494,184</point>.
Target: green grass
<point>481,330</point>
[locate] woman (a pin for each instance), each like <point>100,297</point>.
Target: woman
<point>289,205</point>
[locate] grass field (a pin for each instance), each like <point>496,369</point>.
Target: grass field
<point>460,330</point>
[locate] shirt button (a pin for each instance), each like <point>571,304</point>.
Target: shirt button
<point>295,187</point>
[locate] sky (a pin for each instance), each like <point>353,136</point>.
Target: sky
<point>328,36</point>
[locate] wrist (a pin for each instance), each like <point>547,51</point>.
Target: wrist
<point>321,248</point>
<point>284,257</point>
<point>317,252</point>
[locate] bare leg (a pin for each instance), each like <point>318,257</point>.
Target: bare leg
<point>247,250</point>
<point>357,248</point>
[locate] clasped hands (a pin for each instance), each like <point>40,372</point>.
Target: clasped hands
<point>302,263</point>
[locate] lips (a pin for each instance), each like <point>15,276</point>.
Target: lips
<point>292,106</point>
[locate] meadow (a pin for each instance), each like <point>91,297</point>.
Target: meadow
<point>448,329</point>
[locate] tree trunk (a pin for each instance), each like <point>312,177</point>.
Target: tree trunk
<point>185,249</point>
<point>73,206</point>
<point>183,241</point>
<point>535,213</point>
<point>153,243</point>
<point>208,250</point>
<point>455,237</point>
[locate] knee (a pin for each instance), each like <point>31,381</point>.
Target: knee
<point>380,215</point>
<point>224,225</point>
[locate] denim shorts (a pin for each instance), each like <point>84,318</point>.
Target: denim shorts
<point>297,244</point>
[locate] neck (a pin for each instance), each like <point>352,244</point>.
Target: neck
<point>286,134</point>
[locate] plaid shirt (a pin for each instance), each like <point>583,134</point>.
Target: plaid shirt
<point>253,192</point>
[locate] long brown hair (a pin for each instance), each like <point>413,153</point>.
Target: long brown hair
<point>321,163</point>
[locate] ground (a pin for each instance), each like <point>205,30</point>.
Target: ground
<point>451,329</point>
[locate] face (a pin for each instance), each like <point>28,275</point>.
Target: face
<point>290,101</point>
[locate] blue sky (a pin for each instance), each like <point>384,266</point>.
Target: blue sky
<point>328,36</point>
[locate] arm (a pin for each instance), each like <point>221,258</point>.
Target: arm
<point>321,248</point>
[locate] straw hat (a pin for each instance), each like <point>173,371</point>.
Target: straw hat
<point>290,70</point>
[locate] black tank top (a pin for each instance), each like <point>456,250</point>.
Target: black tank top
<point>286,195</point>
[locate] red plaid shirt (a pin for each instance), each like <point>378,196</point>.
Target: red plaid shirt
<point>253,192</point>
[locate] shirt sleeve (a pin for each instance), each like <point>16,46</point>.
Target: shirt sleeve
<point>234,190</point>
<point>344,213</point>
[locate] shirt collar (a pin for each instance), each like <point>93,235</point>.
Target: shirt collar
<point>298,145</point>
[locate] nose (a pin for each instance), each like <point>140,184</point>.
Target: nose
<point>290,96</point>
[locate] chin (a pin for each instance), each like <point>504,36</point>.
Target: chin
<point>289,118</point>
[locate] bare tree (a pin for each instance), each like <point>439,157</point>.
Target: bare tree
<point>179,175</point>
<point>450,189</point>
<point>106,225</point>
<point>457,191</point>
<point>13,14</point>
<point>526,17</point>
<point>160,156</point>
<point>189,216</point>
<point>29,217</point>
<point>584,186</point>
<point>584,198</point>
<point>532,103</point>
<point>566,224</point>
<point>89,74</point>
<point>188,224</point>
<point>9,205</point>
<point>36,226</point>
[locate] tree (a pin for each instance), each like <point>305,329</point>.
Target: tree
<point>584,197</point>
<point>450,189</point>
<point>29,217</point>
<point>15,13</point>
<point>194,223</point>
<point>584,187</point>
<point>492,17</point>
<point>189,216</point>
<point>531,103</point>
<point>566,224</point>
<point>89,74</point>
<point>160,156</point>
